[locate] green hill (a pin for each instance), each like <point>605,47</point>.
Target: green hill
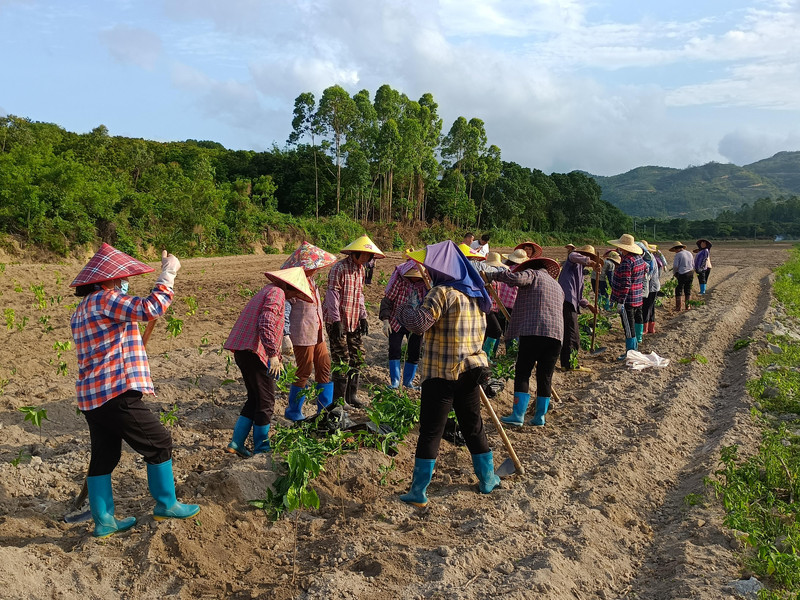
<point>701,192</point>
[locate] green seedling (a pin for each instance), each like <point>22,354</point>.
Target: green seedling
<point>3,384</point>
<point>384,471</point>
<point>383,279</point>
<point>693,358</point>
<point>9,316</point>
<point>203,342</point>
<point>286,378</point>
<point>21,456</point>
<point>228,362</point>
<point>743,343</point>
<point>169,418</point>
<point>191,302</point>
<point>21,324</point>
<point>35,415</point>
<point>41,297</point>
<point>17,287</point>
<point>174,326</point>
<point>693,499</point>
<point>2,268</point>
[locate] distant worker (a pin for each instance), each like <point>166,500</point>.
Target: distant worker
<point>531,249</point>
<point>702,263</point>
<point>482,246</point>
<point>683,270</point>
<point>610,261</point>
<point>571,280</point>
<point>627,288</point>
<point>650,293</point>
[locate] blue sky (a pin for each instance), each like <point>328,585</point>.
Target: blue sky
<point>603,86</point>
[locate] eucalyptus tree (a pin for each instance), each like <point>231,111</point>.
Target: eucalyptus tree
<point>305,122</point>
<point>335,116</point>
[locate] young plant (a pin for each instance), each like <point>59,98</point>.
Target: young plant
<point>60,347</point>
<point>174,326</point>
<point>694,358</point>
<point>35,415</point>
<point>3,384</point>
<point>41,297</point>
<point>21,456</point>
<point>191,302</point>
<point>743,343</point>
<point>21,324</point>
<point>9,316</point>
<point>169,418</point>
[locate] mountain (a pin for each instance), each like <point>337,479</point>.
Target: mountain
<point>701,192</point>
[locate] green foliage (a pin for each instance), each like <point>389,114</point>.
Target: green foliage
<point>393,408</point>
<point>21,324</point>
<point>693,358</point>
<point>505,365</point>
<point>10,317</point>
<point>35,415</point>
<point>168,418</point>
<point>693,499</point>
<point>668,287</point>
<point>191,302</point>
<point>21,456</point>
<point>585,323</point>
<point>174,326</point>
<point>742,343</point>
<point>41,297</point>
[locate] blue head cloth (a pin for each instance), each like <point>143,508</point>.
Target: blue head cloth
<point>447,265</point>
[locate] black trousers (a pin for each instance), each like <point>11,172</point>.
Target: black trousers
<point>493,327</point>
<point>630,315</point>
<point>439,396</point>
<point>702,276</point>
<point>396,345</point>
<point>259,385</point>
<point>541,352</point>
<point>649,308</point>
<point>572,336</point>
<point>125,417</point>
<point>684,284</point>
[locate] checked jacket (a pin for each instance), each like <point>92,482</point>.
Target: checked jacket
<point>628,281</point>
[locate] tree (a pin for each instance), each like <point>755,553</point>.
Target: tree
<point>336,113</point>
<point>304,123</point>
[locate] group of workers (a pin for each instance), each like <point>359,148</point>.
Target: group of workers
<point>457,299</point>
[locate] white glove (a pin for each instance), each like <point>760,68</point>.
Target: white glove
<point>169,268</point>
<point>286,347</point>
<point>275,366</point>
<point>387,329</point>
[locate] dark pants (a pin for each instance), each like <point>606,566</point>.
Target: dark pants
<point>396,345</point>
<point>439,396</point>
<point>684,287</point>
<point>493,327</point>
<point>125,417</point>
<point>702,276</point>
<point>630,315</point>
<point>259,385</point>
<point>649,308</point>
<point>572,336</point>
<point>345,349</point>
<point>539,351</point>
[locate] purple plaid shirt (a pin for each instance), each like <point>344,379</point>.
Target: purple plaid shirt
<point>399,293</point>
<point>538,309</point>
<point>344,298</point>
<point>259,327</point>
<point>628,280</point>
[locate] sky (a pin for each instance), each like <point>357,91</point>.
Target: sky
<point>603,86</point>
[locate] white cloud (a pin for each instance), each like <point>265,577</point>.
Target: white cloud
<point>132,46</point>
<point>747,145</point>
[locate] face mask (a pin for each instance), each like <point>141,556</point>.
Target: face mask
<point>123,286</point>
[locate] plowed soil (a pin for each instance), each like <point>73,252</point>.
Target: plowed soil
<point>601,511</point>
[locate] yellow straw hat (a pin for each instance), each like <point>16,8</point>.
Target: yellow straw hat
<point>677,246</point>
<point>588,250</point>
<point>493,259</point>
<point>470,253</point>
<point>363,244</point>
<point>294,277</point>
<point>518,256</point>
<point>614,257</point>
<point>627,243</point>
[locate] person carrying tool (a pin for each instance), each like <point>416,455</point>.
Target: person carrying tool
<point>113,374</point>
<point>405,285</point>
<point>627,288</point>
<point>452,318</point>
<point>702,264</point>
<point>255,341</point>
<point>610,261</point>
<point>683,270</point>
<point>650,292</point>
<point>538,321</point>
<point>346,316</point>
<point>571,280</point>
<point>305,339</point>
<point>494,325</point>
<point>507,294</point>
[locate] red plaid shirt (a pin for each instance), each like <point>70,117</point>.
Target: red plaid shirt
<point>111,356</point>
<point>398,295</point>
<point>344,298</point>
<point>259,327</point>
<point>506,293</point>
<point>628,280</point>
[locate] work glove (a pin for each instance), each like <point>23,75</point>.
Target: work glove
<point>169,268</point>
<point>387,329</point>
<point>363,326</point>
<point>286,347</point>
<point>274,366</point>
<point>337,330</point>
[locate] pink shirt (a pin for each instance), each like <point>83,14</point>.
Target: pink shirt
<point>259,327</point>
<point>305,319</point>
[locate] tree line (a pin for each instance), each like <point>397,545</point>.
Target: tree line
<point>380,159</point>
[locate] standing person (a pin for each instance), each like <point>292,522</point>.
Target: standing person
<point>508,293</point>
<point>405,286</point>
<point>306,339</point>
<point>494,325</point>
<point>702,263</point>
<point>346,316</point>
<point>531,249</point>
<point>650,293</point>
<point>571,280</point>
<point>660,259</point>
<point>626,288</point>
<point>610,261</point>
<point>113,374</point>
<point>453,365</point>
<point>369,271</point>
<point>539,323</point>
<point>683,270</point>
<point>255,341</point>
<point>482,246</point>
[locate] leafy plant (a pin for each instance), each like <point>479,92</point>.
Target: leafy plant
<point>191,302</point>
<point>668,288</point>
<point>21,456</point>
<point>384,471</point>
<point>21,324</point>
<point>742,343</point>
<point>35,415</point>
<point>17,287</point>
<point>169,418</point>
<point>3,384</point>
<point>2,268</point>
<point>693,358</point>
<point>393,408</point>
<point>383,278</point>
<point>9,316</point>
<point>174,326</point>
<point>41,297</point>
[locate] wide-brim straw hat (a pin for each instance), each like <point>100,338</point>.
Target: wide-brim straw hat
<point>518,256</point>
<point>363,244</point>
<point>613,256</point>
<point>552,266</point>
<point>647,245</point>
<point>470,253</point>
<point>537,249</point>
<point>493,259</point>
<point>588,250</point>
<point>107,264</point>
<point>294,277</point>
<point>708,244</point>
<point>627,243</point>
<point>677,246</point>
<point>309,257</point>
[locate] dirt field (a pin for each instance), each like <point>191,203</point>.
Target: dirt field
<point>600,512</point>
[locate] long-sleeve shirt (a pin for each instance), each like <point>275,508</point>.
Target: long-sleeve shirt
<point>259,327</point>
<point>683,262</point>
<point>607,271</point>
<point>305,318</point>
<point>111,355</point>
<point>571,280</point>
<point>626,284</point>
<point>506,293</point>
<point>701,260</point>
<point>539,306</point>
<point>453,325</point>
<point>344,298</point>
<point>399,292</point>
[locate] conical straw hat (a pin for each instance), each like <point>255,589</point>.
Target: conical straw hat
<point>109,263</point>
<point>614,257</point>
<point>493,260</point>
<point>626,242</point>
<point>363,244</point>
<point>537,249</point>
<point>309,257</point>
<point>518,256</point>
<point>552,266</point>
<point>470,253</point>
<point>677,246</point>
<point>294,277</point>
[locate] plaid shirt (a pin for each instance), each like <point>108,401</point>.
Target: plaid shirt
<point>344,298</point>
<point>455,326</point>
<point>305,318</point>
<point>628,280</point>
<point>398,294</point>
<point>506,293</point>
<point>111,356</point>
<point>538,309</point>
<point>259,327</point>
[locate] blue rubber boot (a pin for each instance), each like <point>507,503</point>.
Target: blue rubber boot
<point>325,396</point>
<point>101,502</point>
<point>630,344</point>
<point>394,374</point>
<point>409,372</point>
<point>294,408</point>
<point>517,416</point>
<point>423,471</point>
<point>639,329</point>
<point>240,432</point>
<point>162,488</point>
<point>484,469</point>
<point>542,404</point>
<point>496,344</point>
<point>702,288</point>
<point>261,439</point>
<point>489,345</point>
